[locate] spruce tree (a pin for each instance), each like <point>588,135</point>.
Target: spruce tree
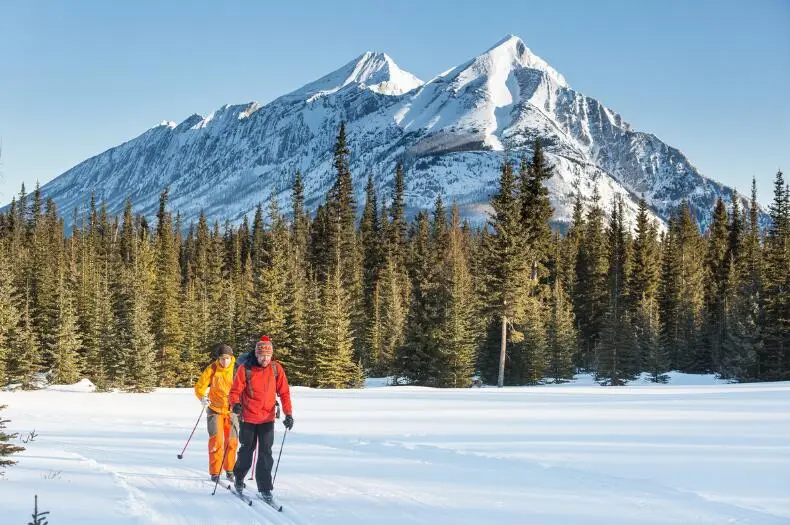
<point>6,446</point>
<point>775,355</point>
<point>507,271</point>
<point>334,350</point>
<point>692,356</point>
<point>25,358</point>
<point>561,340</point>
<point>9,313</point>
<point>271,318</point>
<point>616,351</point>
<point>67,340</point>
<point>716,272</point>
<point>744,339</point>
<point>418,357</point>
<point>535,208</point>
<point>590,288</point>
<point>369,233</point>
<point>166,318</point>
<point>142,375</point>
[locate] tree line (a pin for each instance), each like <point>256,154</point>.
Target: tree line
<point>134,305</point>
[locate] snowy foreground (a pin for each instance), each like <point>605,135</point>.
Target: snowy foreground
<point>574,454</point>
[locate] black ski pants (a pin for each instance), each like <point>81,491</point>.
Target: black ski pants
<point>251,434</point>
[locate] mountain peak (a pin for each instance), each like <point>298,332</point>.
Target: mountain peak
<point>512,50</point>
<point>371,70</point>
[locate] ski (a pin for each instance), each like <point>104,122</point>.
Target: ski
<point>243,497</point>
<point>273,504</point>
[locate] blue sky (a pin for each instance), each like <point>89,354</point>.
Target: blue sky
<point>76,78</point>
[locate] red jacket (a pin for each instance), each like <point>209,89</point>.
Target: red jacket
<point>259,408</point>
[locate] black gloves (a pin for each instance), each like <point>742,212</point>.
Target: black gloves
<point>288,422</point>
<point>237,409</point>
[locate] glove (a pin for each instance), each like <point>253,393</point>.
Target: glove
<point>204,401</point>
<point>288,422</point>
<point>237,409</point>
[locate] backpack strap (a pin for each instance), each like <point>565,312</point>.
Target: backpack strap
<point>248,374</point>
<point>276,401</point>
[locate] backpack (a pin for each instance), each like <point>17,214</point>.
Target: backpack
<point>246,360</point>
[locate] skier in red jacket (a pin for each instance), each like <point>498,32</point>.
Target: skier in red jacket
<point>252,397</point>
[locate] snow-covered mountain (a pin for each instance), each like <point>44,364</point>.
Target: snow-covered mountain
<point>449,132</point>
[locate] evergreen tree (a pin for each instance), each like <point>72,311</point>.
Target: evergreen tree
<point>507,272</point>
<point>691,355</point>
<point>535,208</point>
<point>67,342</point>
<point>369,233</point>
<point>334,345</point>
<point>24,359</point>
<point>716,271</point>
<point>561,341</point>
<point>590,288</point>
<point>166,314</point>
<point>6,447</point>
<point>398,227</point>
<point>643,289</point>
<point>775,355</point>
<point>418,357</point>
<point>615,353</point>
<point>9,313</point>
<point>271,318</point>
<point>744,340</point>
<point>140,345</point>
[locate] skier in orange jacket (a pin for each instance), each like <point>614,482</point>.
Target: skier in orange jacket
<point>223,425</point>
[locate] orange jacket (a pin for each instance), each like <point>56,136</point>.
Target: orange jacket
<point>218,381</point>
<point>260,407</point>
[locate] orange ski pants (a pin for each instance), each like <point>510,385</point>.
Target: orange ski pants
<point>221,428</point>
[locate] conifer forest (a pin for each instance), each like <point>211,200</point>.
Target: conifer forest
<point>133,304</point>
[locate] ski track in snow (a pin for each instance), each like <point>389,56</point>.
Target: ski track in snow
<point>387,456</point>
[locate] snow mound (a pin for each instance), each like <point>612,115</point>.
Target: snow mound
<point>83,385</point>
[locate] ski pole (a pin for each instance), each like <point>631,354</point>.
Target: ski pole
<point>279,456</point>
<point>224,455</point>
<point>181,456</point>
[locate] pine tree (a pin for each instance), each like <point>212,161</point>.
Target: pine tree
<point>744,339</point>
<point>392,312</point>
<point>561,341</point>
<point>643,289</point>
<point>535,208</point>
<point>369,233</point>
<point>615,353</point>
<point>334,358</point>
<point>6,447</point>
<point>24,359</point>
<point>590,288</point>
<point>691,355</point>
<point>775,355</point>
<point>398,227</point>
<point>67,340</point>
<point>507,272</point>
<point>418,357</point>
<point>166,318</point>
<point>455,333</point>
<point>716,272</point>
<point>271,319</point>
<point>141,351</point>
<point>9,313</point>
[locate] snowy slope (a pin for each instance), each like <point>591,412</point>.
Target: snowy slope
<point>450,132</point>
<point>678,454</point>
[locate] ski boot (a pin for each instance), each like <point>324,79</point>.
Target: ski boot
<point>230,476</point>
